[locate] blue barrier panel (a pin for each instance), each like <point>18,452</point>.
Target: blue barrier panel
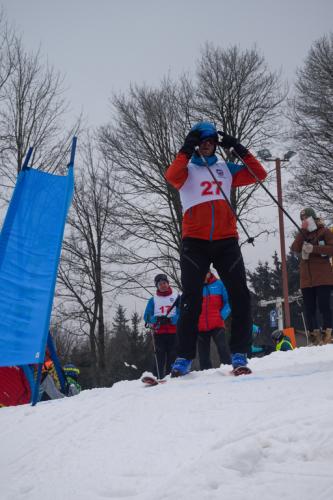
<point>30,247</point>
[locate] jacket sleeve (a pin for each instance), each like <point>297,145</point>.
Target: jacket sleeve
<point>225,311</point>
<point>148,315</point>
<point>175,317</point>
<point>241,175</point>
<point>326,249</point>
<point>177,172</point>
<point>297,244</point>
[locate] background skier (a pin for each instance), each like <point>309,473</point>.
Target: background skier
<point>215,309</point>
<point>162,319</point>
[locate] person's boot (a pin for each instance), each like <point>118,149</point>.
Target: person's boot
<point>239,364</point>
<point>181,367</point>
<point>327,336</point>
<point>315,337</point>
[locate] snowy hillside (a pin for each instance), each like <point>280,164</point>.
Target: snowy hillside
<point>268,436</point>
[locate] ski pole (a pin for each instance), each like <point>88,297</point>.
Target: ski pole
<point>250,239</point>
<point>305,329</point>
<point>173,305</point>
<point>232,150</point>
<point>169,311</point>
<point>155,353</point>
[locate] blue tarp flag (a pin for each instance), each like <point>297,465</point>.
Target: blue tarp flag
<point>30,247</point>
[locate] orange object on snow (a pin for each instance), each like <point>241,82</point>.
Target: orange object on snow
<point>290,332</point>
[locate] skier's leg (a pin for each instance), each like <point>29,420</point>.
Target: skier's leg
<point>220,340</point>
<point>324,296</point>
<point>194,264</point>
<point>171,352</point>
<point>204,350</point>
<point>160,355</point>
<point>228,262</point>
<point>309,301</point>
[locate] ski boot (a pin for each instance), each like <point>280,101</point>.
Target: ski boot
<point>181,367</point>
<point>315,337</point>
<point>239,364</point>
<point>327,336</point>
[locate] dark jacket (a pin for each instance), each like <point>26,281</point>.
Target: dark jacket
<point>317,270</point>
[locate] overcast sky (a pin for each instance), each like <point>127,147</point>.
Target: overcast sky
<point>102,46</point>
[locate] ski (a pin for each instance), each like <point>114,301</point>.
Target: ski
<point>241,370</point>
<point>151,381</point>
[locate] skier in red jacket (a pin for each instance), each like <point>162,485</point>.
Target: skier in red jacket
<point>215,309</point>
<point>209,235</point>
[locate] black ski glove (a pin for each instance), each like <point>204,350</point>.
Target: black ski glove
<point>228,141</point>
<point>163,320</point>
<point>191,141</point>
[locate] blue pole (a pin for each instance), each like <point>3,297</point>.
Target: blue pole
<point>54,357</point>
<point>27,158</point>
<point>35,395</point>
<point>73,149</point>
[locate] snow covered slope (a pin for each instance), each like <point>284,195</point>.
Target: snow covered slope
<point>268,436</point>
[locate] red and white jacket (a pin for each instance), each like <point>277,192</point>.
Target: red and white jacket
<point>215,305</point>
<point>160,305</point>
<point>207,215</point>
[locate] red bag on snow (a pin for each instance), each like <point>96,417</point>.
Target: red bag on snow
<point>14,387</point>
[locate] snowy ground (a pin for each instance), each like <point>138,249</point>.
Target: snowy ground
<point>268,436</point>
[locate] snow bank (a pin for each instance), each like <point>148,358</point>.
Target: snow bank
<point>207,436</point>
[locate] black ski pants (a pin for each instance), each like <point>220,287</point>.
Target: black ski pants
<point>196,257</point>
<point>166,353</point>
<point>219,338</point>
<point>320,295</point>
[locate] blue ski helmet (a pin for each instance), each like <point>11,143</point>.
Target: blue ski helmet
<point>207,130</point>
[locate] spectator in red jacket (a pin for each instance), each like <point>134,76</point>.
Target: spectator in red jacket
<point>210,236</point>
<point>215,309</point>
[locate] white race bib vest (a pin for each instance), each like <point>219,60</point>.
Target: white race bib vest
<point>162,304</point>
<point>200,187</point>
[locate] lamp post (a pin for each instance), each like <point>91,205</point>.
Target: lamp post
<point>265,155</point>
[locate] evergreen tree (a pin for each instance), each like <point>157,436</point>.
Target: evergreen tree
<point>266,284</point>
<point>129,350</point>
<point>119,324</point>
<point>139,353</point>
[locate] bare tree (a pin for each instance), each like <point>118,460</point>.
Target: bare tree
<point>235,91</point>
<point>7,39</point>
<point>149,125</point>
<point>32,113</point>
<point>238,92</point>
<point>87,271</point>
<point>312,128</point>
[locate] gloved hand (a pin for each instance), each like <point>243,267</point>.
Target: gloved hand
<point>228,141</point>
<point>191,141</point>
<point>306,250</point>
<point>163,320</point>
